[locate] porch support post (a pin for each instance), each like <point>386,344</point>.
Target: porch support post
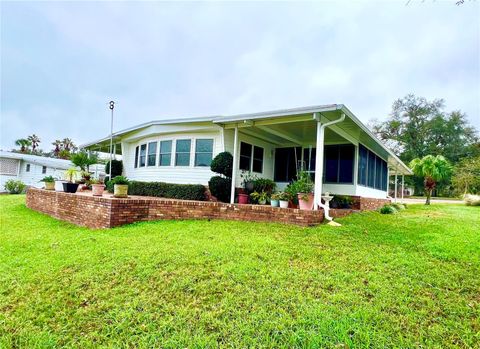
<point>115,151</point>
<point>395,195</point>
<point>235,165</point>
<point>403,186</point>
<point>317,198</point>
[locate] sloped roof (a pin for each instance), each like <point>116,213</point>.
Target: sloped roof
<point>221,120</point>
<point>39,160</point>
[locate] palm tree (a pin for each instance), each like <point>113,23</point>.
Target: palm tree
<point>23,143</point>
<point>57,144</point>
<point>83,160</point>
<point>432,169</point>
<point>68,144</point>
<point>34,140</point>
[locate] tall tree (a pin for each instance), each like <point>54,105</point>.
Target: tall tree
<point>58,147</point>
<point>23,143</point>
<point>35,141</point>
<point>432,169</point>
<point>418,127</point>
<point>466,176</point>
<point>68,144</point>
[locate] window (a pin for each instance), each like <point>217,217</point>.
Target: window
<point>378,173</point>
<point>152,154</point>
<point>339,161</point>
<point>203,152</point>
<point>331,164</point>
<point>362,165</point>
<point>285,164</point>
<point>44,169</point>
<point>182,152</point>
<point>251,158</point>
<point>245,156</point>
<point>136,157</point>
<point>28,168</point>
<point>143,151</point>
<point>257,165</point>
<point>372,169</point>
<point>165,158</point>
<point>309,157</point>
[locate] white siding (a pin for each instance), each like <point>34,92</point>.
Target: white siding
<point>339,189</point>
<point>32,177</point>
<point>370,192</point>
<point>171,174</point>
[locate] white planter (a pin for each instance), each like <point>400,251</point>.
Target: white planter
<point>59,185</point>
<point>283,204</point>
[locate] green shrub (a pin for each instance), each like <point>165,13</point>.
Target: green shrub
<point>341,201</point>
<point>220,187</point>
<point>117,180</point>
<point>120,180</point>
<point>398,207</point>
<point>47,179</point>
<point>15,187</point>
<point>264,185</point>
<point>388,209</point>
<point>117,168</point>
<point>167,190</point>
<point>223,164</point>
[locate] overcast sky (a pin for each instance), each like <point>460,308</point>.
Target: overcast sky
<point>61,62</point>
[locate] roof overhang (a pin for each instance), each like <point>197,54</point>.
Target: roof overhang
<point>267,119</point>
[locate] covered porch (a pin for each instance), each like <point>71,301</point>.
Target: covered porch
<point>278,145</point>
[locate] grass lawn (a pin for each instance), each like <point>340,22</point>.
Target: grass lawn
<point>407,280</point>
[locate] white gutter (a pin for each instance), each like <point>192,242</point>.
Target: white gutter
<point>319,163</point>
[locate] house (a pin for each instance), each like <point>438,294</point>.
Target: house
<point>273,144</point>
<point>29,169</point>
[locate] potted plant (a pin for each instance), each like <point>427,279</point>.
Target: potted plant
<point>120,187</point>
<point>275,200</point>
<point>49,182</point>
<point>97,187</point>
<point>283,199</point>
<point>304,187</point>
<point>70,186</point>
<point>248,181</point>
<point>261,197</point>
<point>242,197</point>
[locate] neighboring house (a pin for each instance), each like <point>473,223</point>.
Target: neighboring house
<point>270,144</point>
<point>29,169</point>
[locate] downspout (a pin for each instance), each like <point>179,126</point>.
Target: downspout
<point>319,163</point>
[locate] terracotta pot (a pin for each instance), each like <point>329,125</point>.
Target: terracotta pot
<point>49,185</point>
<point>120,190</point>
<point>305,204</point>
<point>97,189</point>
<point>283,204</point>
<point>242,199</point>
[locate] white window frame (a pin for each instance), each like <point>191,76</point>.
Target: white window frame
<point>195,147</point>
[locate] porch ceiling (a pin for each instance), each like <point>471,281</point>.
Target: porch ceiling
<point>301,133</point>
<point>300,130</point>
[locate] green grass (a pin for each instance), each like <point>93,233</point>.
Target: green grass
<point>406,280</point>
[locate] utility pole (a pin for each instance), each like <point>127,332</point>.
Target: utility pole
<point>112,105</point>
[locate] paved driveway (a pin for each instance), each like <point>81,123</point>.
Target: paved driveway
<point>433,201</point>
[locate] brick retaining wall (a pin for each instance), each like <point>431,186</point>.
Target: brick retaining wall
<point>105,212</point>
